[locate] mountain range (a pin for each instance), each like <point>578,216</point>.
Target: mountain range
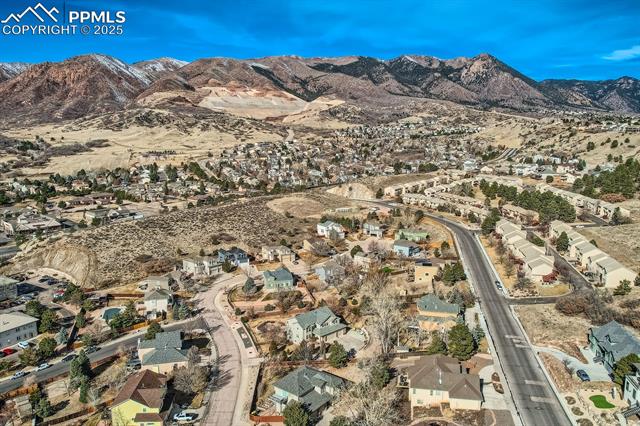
<point>87,85</point>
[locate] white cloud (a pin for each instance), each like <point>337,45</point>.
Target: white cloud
<point>624,54</point>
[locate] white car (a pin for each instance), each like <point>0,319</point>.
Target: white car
<point>43,366</point>
<point>19,374</point>
<point>184,417</point>
<point>23,345</point>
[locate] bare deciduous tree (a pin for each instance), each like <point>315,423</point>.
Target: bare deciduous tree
<point>370,406</point>
<point>387,320</point>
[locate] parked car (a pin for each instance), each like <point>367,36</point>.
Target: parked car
<point>42,366</point>
<point>19,374</point>
<point>91,349</point>
<point>8,351</point>
<point>582,375</point>
<point>184,417</point>
<point>2,354</point>
<point>69,357</point>
<point>23,345</point>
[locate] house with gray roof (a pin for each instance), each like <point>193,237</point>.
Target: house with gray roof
<point>314,389</point>
<point>330,271</point>
<point>321,323</point>
<point>612,342</point>
<point>434,380</point>
<point>279,279</point>
<point>164,353</point>
<point>405,248</point>
<point>374,228</point>
<point>436,314</point>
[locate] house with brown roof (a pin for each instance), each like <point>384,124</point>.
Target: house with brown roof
<point>142,400</point>
<point>434,380</point>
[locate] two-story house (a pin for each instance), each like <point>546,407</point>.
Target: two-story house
<point>202,265</point>
<point>164,353</point>
<point>434,380</point>
<point>321,323</point>
<point>236,256</point>
<point>314,389</point>
<point>405,248</point>
<point>157,302</point>
<point>631,392</point>
<point>143,400</point>
<point>373,229</point>
<point>279,279</point>
<point>330,229</point>
<point>612,342</point>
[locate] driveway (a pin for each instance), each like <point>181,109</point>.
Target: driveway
<point>354,339</point>
<point>596,372</point>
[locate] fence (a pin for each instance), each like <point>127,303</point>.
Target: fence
<point>266,419</point>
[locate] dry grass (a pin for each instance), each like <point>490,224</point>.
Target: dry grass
<point>126,252</point>
<point>545,326</point>
<point>621,242</point>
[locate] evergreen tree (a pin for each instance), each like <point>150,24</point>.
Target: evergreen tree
<point>295,415</point>
<point>153,329</point>
<point>624,367</point>
<point>562,243</point>
<point>338,356</point>
<point>437,345</point>
<point>461,344</point>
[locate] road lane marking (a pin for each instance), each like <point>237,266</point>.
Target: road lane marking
<point>543,399</point>
<point>535,382</point>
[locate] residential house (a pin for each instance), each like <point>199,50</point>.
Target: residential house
<point>437,314</point>
<point>374,229</point>
<point>279,279</point>
<point>314,389</point>
<point>16,327</point>
<point>30,222</point>
<point>330,271</point>
<point>278,253</point>
<point>434,380</point>
<point>202,265</point>
<point>415,235</point>
<point>612,342</point>
<point>556,228</point>
<point>405,248</point>
<point>164,353</point>
<point>424,271</point>
<point>8,288</point>
<point>581,250</point>
<point>236,256</point>
<point>539,269</point>
<point>142,400</point>
<point>329,229</point>
<point>610,272</point>
<point>321,323</point>
<point>521,215</point>
<point>157,302</point>
<point>631,392</point>
<point>156,282</point>
<point>365,260</point>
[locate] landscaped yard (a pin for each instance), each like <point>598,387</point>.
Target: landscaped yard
<point>600,401</point>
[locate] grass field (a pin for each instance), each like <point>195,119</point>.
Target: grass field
<point>600,401</point>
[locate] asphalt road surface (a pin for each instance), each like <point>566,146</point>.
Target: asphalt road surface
<point>106,350</point>
<point>534,397</point>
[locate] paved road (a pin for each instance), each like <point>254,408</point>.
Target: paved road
<point>533,395</point>
<point>106,350</point>
<point>222,403</point>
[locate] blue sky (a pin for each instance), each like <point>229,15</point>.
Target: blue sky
<point>585,39</point>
